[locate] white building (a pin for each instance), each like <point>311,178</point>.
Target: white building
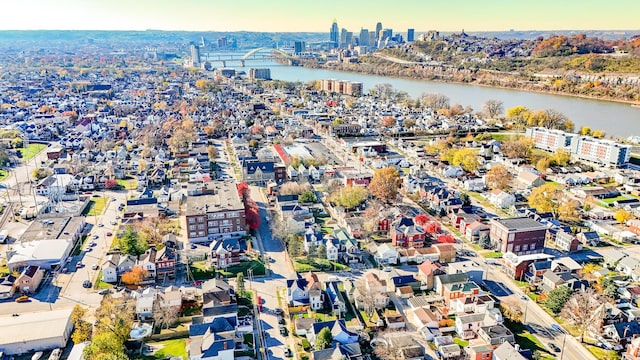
<point>35,331</point>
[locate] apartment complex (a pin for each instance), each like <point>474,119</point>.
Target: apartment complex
<point>549,139</point>
<point>342,87</point>
<point>518,235</point>
<point>217,212</point>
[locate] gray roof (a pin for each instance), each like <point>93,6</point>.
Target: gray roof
<point>506,351</point>
<point>519,224</point>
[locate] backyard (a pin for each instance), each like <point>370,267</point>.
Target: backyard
<point>256,266</point>
<point>127,184</point>
<point>167,349</point>
<point>30,151</point>
<point>96,206</point>
<point>306,264</point>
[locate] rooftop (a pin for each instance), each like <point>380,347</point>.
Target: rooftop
<point>223,197</point>
<point>33,326</point>
<point>519,224</point>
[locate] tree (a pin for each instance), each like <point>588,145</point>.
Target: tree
<point>520,148</point>
<point>240,284</point>
<point>165,316</point>
<point>131,243</point>
<point>135,276</point>
<point>307,197</point>
<point>385,184</point>
<point>561,157</point>
<point>212,151</point>
<point>622,216</point>
<point>433,228</point>
<point>557,298</point>
<point>435,101</point>
<point>82,329</point>
<point>321,251</point>
<point>518,114</point>
<point>498,177</point>
<point>543,198</point>
<point>349,197</point>
<point>388,121</point>
<point>114,319</point>
<point>293,188</point>
<point>324,339</point>
<point>484,241</point>
<point>243,190</point>
<point>543,164</point>
<point>568,210</point>
<point>598,134</point>
<point>111,184</point>
<point>446,239</point>
<point>366,298</point>
<point>492,108</point>
<point>581,310</point>
<point>467,159</point>
<point>252,214</point>
<point>585,130</point>
<point>421,219</point>
<point>40,173</point>
<point>609,288</point>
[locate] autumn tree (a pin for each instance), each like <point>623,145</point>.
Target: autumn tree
<point>581,310</point>
<point>385,184</point>
<point>561,157</point>
<point>243,190</point>
<point>81,328</point>
<point>492,108</point>
<point>111,184</point>
<point>433,227</point>
<point>498,177</point>
<point>165,316</point>
<point>622,216</point>
<point>568,210</point>
<point>543,198</point>
<point>519,148</point>
<point>349,197</point>
<point>388,121</point>
<point>422,219</point>
<point>467,159</point>
<point>252,214</point>
<point>135,276</point>
<point>585,130</point>
<point>114,319</point>
<point>435,101</point>
<point>518,115</point>
<point>293,188</point>
<point>212,151</point>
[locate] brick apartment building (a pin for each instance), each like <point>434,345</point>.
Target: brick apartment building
<point>518,235</point>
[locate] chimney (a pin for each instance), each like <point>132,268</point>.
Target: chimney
<point>224,345</point>
<point>517,347</point>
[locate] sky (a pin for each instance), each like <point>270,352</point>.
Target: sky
<point>317,15</point>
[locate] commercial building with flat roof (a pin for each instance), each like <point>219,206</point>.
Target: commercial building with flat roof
<point>520,235</point>
<point>35,331</point>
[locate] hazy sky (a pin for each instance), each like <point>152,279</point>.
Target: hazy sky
<point>317,15</point>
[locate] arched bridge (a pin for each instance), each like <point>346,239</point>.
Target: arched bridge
<point>251,55</point>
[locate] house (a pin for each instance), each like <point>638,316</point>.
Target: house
<point>506,351</point>
<point>386,254</point>
<point>629,266</point>
<point>520,235</point>
<point>590,238</point>
<point>115,265</point>
<point>212,346</point>
<point>428,270</point>
<point>474,231</point>
<point>165,261</point>
<point>568,242</point>
<point>338,329</point>
<point>446,252</point>
<point>145,302</point>
<point>339,351</point>
<point>424,317</point>
<point>474,271</point>
<point>613,257</point>
<point>479,352</point>
<point>621,333</point>
<point>530,179</point>
<point>457,291</point>
<point>501,199</point>
<point>7,286</point>
<point>305,290</point>
<point>29,280</point>
<point>394,320</point>
<point>496,335</point>
<point>405,233</point>
<point>440,281</point>
<point>446,347</point>
<point>467,325</point>
<point>303,326</point>
<point>336,301</point>
<point>227,252</point>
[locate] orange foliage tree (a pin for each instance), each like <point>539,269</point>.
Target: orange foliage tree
<point>135,276</point>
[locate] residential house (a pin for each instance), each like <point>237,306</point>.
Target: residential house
<point>457,291</point>
<point>115,265</point>
<point>613,257</point>
<point>373,287</point>
<point>227,252</point>
<point>530,179</point>
<point>520,235</point>
<point>386,254</point>
<point>305,290</point>
<point>424,317</point>
<point>7,286</point>
<point>29,280</point>
<point>568,242</point>
<point>339,351</point>
<point>394,320</point>
<point>516,266</point>
<point>165,260</point>
<point>506,351</point>
<point>447,348</point>
<point>479,352</point>
<point>337,302</point>
<point>496,335</point>
<point>467,325</point>
<point>145,303</point>
<point>405,233</point>
<point>440,281</point>
<point>428,270</point>
<point>621,333</point>
<point>475,230</point>
<point>338,330</point>
<point>212,346</point>
<point>501,199</point>
<point>446,252</point>
<point>629,266</point>
<point>474,271</point>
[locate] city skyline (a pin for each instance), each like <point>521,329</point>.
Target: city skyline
<point>301,16</point>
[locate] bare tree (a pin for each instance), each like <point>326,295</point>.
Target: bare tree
<point>367,298</point>
<point>165,316</point>
<point>435,101</point>
<point>584,309</point>
<point>492,108</point>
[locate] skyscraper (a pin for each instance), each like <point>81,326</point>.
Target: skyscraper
<point>410,35</point>
<point>343,38</point>
<point>195,54</point>
<point>363,39</point>
<point>378,30</point>
<point>299,47</point>
<point>334,34</point>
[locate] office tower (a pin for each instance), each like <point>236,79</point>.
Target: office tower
<point>372,39</point>
<point>378,30</point>
<point>349,39</point>
<point>343,38</point>
<point>222,42</point>
<point>386,34</point>
<point>195,54</point>
<point>410,35</point>
<point>363,39</point>
<point>299,47</point>
<point>202,44</point>
<point>334,34</point>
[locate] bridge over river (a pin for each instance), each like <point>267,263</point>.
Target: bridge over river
<point>258,54</point>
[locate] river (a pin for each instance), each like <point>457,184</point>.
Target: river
<point>617,119</point>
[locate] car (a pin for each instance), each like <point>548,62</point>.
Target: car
<point>387,269</point>
<point>287,352</point>
<point>556,327</point>
<point>554,347</point>
<point>96,237</point>
<point>21,299</point>
<point>79,265</point>
<point>113,222</point>
<point>89,249</point>
<point>94,267</point>
<point>117,217</point>
<point>104,292</point>
<point>278,311</point>
<point>524,297</point>
<point>86,284</point>
<point>93,243</point>
<point>100,225</point>
<point>108,233</point>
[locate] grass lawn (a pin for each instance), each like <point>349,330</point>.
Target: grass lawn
<point>305,264</point>
<point>3,174</point>
<point>128,184</point>
<point>602,354</point>
<point>256,265</point>
<point>462,343</point>
<point>175,347</point>
<point>323,317</point>
<point>248,339</point>
<point>101,284</point>
<point>614,199</point>
<point>200,270</point>
<point>524,338</point>
<point>96,206</point>
<point>492,255</point>
<point>31,150</point>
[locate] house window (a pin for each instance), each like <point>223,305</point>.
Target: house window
<point>201,227</point>
<point>200,219</point>
<point>533,246</point>
<point>192,227</point>
<point>517,248</point>
<point>192,234</point>
<point>192,221</point>
<point>525,247</point>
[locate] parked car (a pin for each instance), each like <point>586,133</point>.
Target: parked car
<point>94,267</point>
<point>554,347</point>
<point>108,233</point>
<point>113,222</point>
<point>556,327</point>
<point>86,284</point>
<point>287,352</point>
<point>79,265</point>
<point>104,291</point>
<point>23,298</point>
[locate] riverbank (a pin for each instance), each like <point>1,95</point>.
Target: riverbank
<point>500,82</point>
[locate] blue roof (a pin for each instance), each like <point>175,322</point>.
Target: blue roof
<point>264,166</point>
<point>403,280</point>
<point>220,324</point>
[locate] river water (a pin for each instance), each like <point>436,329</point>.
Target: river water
<point>617,119</point>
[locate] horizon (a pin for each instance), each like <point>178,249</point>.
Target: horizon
<point>295,16</point>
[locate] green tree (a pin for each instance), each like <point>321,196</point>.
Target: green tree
<point>466,200</point>
<point>131,242</point>
<point>307,197</point>
<point>484,241</point>
<point>324,339</point>
<point>321,251</point>
<point>349,197</point>
<point>240,284</point>
<point>557,298</point>
<point>385,184</point>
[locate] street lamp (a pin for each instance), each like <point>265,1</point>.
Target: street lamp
<point>564,340</point>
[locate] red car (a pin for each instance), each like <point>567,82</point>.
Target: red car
<point>109,233</point>
<point>260,303</point>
